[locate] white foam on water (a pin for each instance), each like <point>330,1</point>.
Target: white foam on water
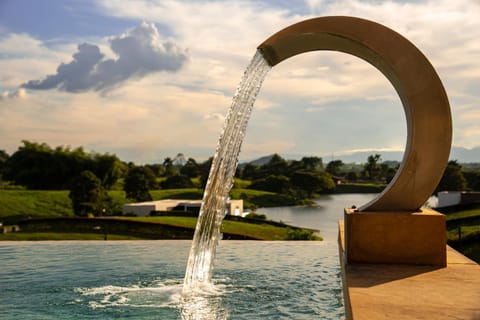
<point>159,295</point>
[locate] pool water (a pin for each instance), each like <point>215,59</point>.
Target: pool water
<point>143,279</point>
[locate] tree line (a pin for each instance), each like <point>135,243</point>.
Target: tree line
<point>38,166</point>
<point>89,175</point>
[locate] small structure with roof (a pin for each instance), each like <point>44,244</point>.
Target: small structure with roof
<point>234,207</point>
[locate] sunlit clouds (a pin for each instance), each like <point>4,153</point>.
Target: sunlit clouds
<point>139,51</point>
<point>163,84</point>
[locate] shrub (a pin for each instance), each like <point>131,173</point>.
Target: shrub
<point>256,216</point>
<point>300,234</point>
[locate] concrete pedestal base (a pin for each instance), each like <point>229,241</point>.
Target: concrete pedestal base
<point>416,238</point>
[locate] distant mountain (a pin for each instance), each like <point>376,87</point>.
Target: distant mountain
<point>462,155</point>
<point>261,161</point>
<point>361,156</point>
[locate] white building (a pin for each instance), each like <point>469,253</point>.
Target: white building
<point>234,207</point>
<point>452,198</point>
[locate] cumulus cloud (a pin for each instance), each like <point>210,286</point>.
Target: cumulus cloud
<point>214,116</point>
<point>139,52</point>
<point>20,93</point>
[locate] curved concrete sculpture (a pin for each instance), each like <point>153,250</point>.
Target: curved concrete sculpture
<point>429,126</point>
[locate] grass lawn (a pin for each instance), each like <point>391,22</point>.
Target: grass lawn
<point>19,204</point>
<point>267,232</point>
<point>463,222</point>
<point>58,236</point>
<point>241,184</point>
<point>186,193</point>
<point>463,214</point>
<point>187,222</point>
<point>257,231</point>
<point>463,231</point>
<point>34,203</point>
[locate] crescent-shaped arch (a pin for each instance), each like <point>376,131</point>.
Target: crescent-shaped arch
<point>429,124</point>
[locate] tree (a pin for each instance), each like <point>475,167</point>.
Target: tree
<point>31,166</point>
<point>313,182</point>
<point>3,160</point>
<point>452,179</point>
<point>334,167</point>
<point>108,168</point>
<point>37,166</point>
<point>390,174</point>
<point>352,176</point>
<point>177,181</point>
<point>306,163</point>
<point>157,169</point>
<point>169,167</point>
<point>276,166</point>
<point>179,160</point>
<point>278,184</point>
<point>138,182</point>
<point>372,167</point>
<point>191,168</point>
<point>473,180</point>
<point>250,172</point>
<point>312,163</point>
<point>88,195</point>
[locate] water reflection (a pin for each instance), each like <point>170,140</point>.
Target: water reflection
<point>203,305</point>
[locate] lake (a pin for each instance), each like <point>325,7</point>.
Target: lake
<point>143,279</point>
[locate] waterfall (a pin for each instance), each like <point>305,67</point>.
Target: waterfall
<point>220,180</point>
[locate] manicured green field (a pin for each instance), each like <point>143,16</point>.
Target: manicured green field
<point>460,232</point>
<point>58,236</point>
<point>18,204</point>
<point>34,203</point>
<point>128,228</point>
<point>186,193</point>
<point>241,184</point>
<point>463,231</point>
<point>463,214</point>
<point>463,223</point>
<point>187,222</point>
<point>256,231</point>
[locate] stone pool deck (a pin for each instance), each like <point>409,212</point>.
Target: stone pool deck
<point>380,291</point>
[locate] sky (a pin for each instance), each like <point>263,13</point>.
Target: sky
<point>146,80</point>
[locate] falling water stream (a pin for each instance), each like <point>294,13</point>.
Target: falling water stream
<point>198,274</point>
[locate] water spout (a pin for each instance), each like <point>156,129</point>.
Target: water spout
<point>207,233</point>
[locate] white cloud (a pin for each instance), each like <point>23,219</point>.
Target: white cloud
<point>304,104</point>
<point>228,27</point>
<point>139,52</point>
<point>22,56</point>
<point>20,93</point>
<point>215,116</point>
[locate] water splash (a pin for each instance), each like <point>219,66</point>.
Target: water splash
<point>160,294</point>
<point>207,233</point>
